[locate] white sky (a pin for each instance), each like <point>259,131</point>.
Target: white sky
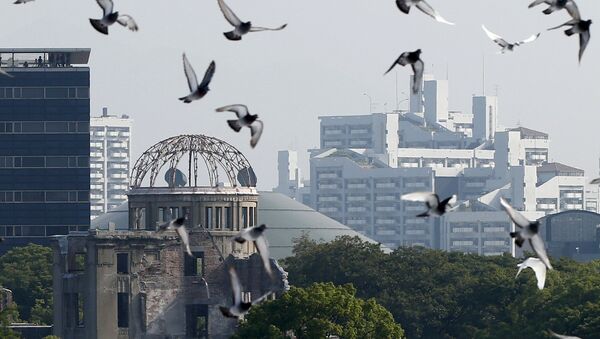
<point>330,53</point>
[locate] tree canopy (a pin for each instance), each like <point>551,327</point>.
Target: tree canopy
<point>27,271</point>
<point>321,310</point>
<point>436,294</point>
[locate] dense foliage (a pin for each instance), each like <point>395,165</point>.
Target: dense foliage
<point>436,294</point>
<point>8,315</point>
<point>27,271</point>
<point>321,310</point>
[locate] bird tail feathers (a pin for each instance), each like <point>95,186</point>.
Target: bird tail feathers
<point>232,36</point>
<point>99,26</point>
<point>235,125</point>
<point>423,215</point>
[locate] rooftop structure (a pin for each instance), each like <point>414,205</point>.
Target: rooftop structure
<point>43,57</point>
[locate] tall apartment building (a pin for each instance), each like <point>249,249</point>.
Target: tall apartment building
<point>44,144</point>
<point>110,161</point>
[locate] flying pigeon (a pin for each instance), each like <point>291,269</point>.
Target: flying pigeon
<point>256,234</point>
<point>432,201</point>
<point>538,267</point>
<point>110,17</point>
<point>241,27</point>
<point>5,73</point>
<point>179,227</point>
<point>581,27</point>
<point>239,307</point>
<point>404,6</point>
<point>595,181</point>
<point>560,336</point>
<point>506,46</point>
<point>22,1</point>
<point>528,230</point>
<point>245,119</point>
<point>413,59</point>
<point>197,91</point>
<point>556,5</point>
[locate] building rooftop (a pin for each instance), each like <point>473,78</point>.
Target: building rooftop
<point>43,57</point>
<point>560,169</point>
<point>527,133</point>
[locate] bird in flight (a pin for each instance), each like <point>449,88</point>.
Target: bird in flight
<point>414,60</point>
<point>538,267</point>
<point>556,5</point>
<point>110,17</point>
<point>506,46</point>
<point>578,26</point>
<point>5,73</point>
<point>244,119</point>
<point>405,5</point>
<point>179,227</point>
<point>527,230</point>
<point>435,207</point>
<point>240,27</point>
<point>22,1</point>
<point>256,235</point>
<point>239,307</point>
<point>196,91</point>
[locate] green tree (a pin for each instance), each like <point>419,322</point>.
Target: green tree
<point>27,271</point>
<point>8,315</point>
<point>319,311</point>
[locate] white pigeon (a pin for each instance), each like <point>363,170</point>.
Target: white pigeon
<point>256,234</point>
<point>413,59</point>
<point>179,227</point>
<point>527,230</point>
<point>5,73</point>
<point>560,336</point>
<point>595,181</point>
<point>435,207</point>
<point>245,119</point>
<point>239,308</point>
<point>241,27</point>
<point>538,267</point>
<point>506,46</point>
<point>197,91</point>
<point>405,5</point>
<point>109,17</point>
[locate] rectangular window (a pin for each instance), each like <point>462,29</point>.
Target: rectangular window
<point>208,217</point>
<point>57,127</point>
<point>218,217</point>
<point>161,214</point>
<point>55,93</point>
<point>57,196</point>
<point>139,221</point>
<point>244,217</point>
<point>194,267</point>
<point>228,218</point>
<point>83,93</point>
<point>35,162</point>
<point>123,310</point>
<point>83,127</point>
<point>57,162</point>
<point>69,309</point>
<point>252,215</point>
<point>173,213</point>
<point>80,310</point>
<point>32,196</point>
<point>196,321</point>
<point>32,127</point>
<point>32,92</point>
<point>123,263</point>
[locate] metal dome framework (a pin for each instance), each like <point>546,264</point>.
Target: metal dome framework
<point>214,152</point>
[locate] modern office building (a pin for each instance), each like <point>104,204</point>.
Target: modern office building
<point>44,144</point>
<point>110,160</point>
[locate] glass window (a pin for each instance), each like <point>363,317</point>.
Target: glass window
<point>228,217</point>
<point>2,93</point>
<point>123,263</point>
<point>72,93</point>
<point>33,231</point>
<point>83,162</point>
<point>32,127</point>
<point>83,127</point>
<point>56,230</point>
<point>173,213</point>
<point>139,218</point>
<point>244,217</point>
<point>194,266</point>
<point>33,162</point>
<point>57,126</point>
<point>32,196</point>
<point>16,92</point>
<point>17,127</point>
<point>161,214</point>
<point>196,321</point>
<point>83,93</point>
<point>208,217</point>
<point>9,127</point>
<point>32,92</point>
<point>53,92</point>
<point>57,162</point>
<point>123,310</point>
<point>219,217</point>
<point>83,196</point>
<point>57,196</point>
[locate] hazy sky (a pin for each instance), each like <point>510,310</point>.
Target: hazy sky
<point>330,53</point>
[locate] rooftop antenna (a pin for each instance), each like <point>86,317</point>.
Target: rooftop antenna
<point>483,74</point>
<point>397,105</point>
<point>496,89</point>
<point>447,71</point>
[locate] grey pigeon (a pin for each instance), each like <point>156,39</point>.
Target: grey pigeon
<point>413,59</point>
<point>244,119</point>
<point>22,1</point>
<point>578,26</point>
<point>595,181</point>
<point>179,227</point>
<point>405,5</point>
<point>435,207</point>
<point>110,17</point>
<point>256,234</point>
<point>197,91</point>
<point>556,5</point>
<point>506,46</point>
<point>241,27</point>
<point>239,307</point>
<point>527,230</point>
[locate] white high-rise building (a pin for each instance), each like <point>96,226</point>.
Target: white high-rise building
<point>485,115</point>
<point>436,101</point>
<point>110,156</point>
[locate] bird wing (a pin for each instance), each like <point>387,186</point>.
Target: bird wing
<point>3,72</point>
<point>418,68</point>
<point>236,286</point>
<point>262,298</point>
<point>560,336</point>
<point>404,5</point>
<point>530,39</point>
<point>391,67</point>
<point>573,10</point>
<point>427,9</point>
<point>185,239</point>
<point>190,74</point>
<point>431,199</point>
<point>515,216</point>
<point>127,21</point>
<point>260,29</point>
<point>568,23</point>
<point>106,5</point>
<point>451,202</point>
<point>495,37</point>
<point>263,250</point>
<point>595,181</point>
<point>537,244</point>
<point>210,71</point>
<point>403,59</point>
<point>256,130</point>
<point>521,266</point>
<point>584,38</point>
<point>229,15</point>
<point>538,2</point>
<point>239,110</point>
<point>540,271</point>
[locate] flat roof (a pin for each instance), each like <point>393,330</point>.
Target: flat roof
<point>76,55</point>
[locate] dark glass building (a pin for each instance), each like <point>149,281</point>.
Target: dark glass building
<point>44,144</point>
